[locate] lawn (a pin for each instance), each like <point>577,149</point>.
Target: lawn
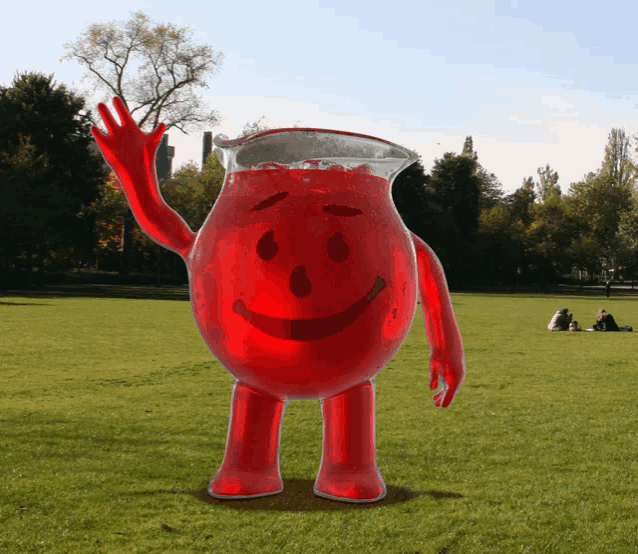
<point>113,419</point>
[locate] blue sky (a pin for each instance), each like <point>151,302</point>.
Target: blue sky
<point>533,82</point>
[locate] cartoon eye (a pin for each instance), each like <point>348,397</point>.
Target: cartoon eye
<point>338,250</point>
<point>267,247</point>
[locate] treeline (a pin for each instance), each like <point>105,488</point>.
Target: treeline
<point>61,210</point>
<point>190,192</point>
<point>47,175</point>
<point>534,235</point>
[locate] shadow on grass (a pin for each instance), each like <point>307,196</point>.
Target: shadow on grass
<point>298,496</point>
<point>137,292</point>
<point>21,304</point>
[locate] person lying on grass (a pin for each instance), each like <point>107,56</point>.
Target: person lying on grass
<point>560,321</point>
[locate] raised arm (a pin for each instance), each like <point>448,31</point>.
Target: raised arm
<point>447,363</point>
<point>131,154</point>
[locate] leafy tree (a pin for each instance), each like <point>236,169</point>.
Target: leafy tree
<point>585,251</point>
<point>190,192</point>
<point>456,188</point>
<point>163,89</point>
<point>521,202</point>
<point>628,234</point>
<point>259,126</point>
<point>410,196</point>
<point>618,176</point>
<point>252,128</point>
<point>500,243</point>
<point>548,237</point>
<point>490,188</point>
<point>548,183</point>
<point>51,117</point>
<point>417,206</point>
<point>109,210</point>
<point>468,149</point>
<point>415,202</point>
<point>600,201</point>
<point>619,164</point>
<point>184,192</point>
<point>211,179</point>
<point>193,193</point>
<point>19,175</point>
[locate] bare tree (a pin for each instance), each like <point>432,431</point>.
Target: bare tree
<point>163,90</point>
<point>163,87</point>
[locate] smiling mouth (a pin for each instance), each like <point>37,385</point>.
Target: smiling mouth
<point>309,329</point>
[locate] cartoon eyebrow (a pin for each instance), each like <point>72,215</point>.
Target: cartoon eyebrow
<point>334,209</point>
<point>271,201</point>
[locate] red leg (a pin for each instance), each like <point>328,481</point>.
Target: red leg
<point>348,469</point>
<point>251,461</point>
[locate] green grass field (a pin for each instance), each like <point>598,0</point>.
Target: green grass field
<point>113,419</point>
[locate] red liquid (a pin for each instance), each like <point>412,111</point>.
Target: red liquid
<point>304,294</point>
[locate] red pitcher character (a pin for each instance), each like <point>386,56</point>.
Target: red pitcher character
<point>303,284</point>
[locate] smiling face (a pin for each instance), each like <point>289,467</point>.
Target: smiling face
<point>315,328</point>
<point>303,281</point>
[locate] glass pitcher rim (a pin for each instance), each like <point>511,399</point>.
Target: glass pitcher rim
<point>221,141</point>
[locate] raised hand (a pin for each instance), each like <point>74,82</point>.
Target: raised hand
<point>131,154</point>
<point>126,148</point>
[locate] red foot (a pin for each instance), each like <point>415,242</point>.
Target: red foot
<point>237,484</point>
<point>347,486</point>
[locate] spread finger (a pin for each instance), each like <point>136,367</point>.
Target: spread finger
<point>110,123</point>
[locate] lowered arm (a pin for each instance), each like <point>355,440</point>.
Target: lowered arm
<point>447,361</point>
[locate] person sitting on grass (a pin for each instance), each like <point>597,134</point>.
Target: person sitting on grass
<point>605,322</point>
<point>560,321</point>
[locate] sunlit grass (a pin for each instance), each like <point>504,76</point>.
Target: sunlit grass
<point>113,418</point>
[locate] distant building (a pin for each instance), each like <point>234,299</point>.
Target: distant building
<point>164,160</point>
<point>207,147</point>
